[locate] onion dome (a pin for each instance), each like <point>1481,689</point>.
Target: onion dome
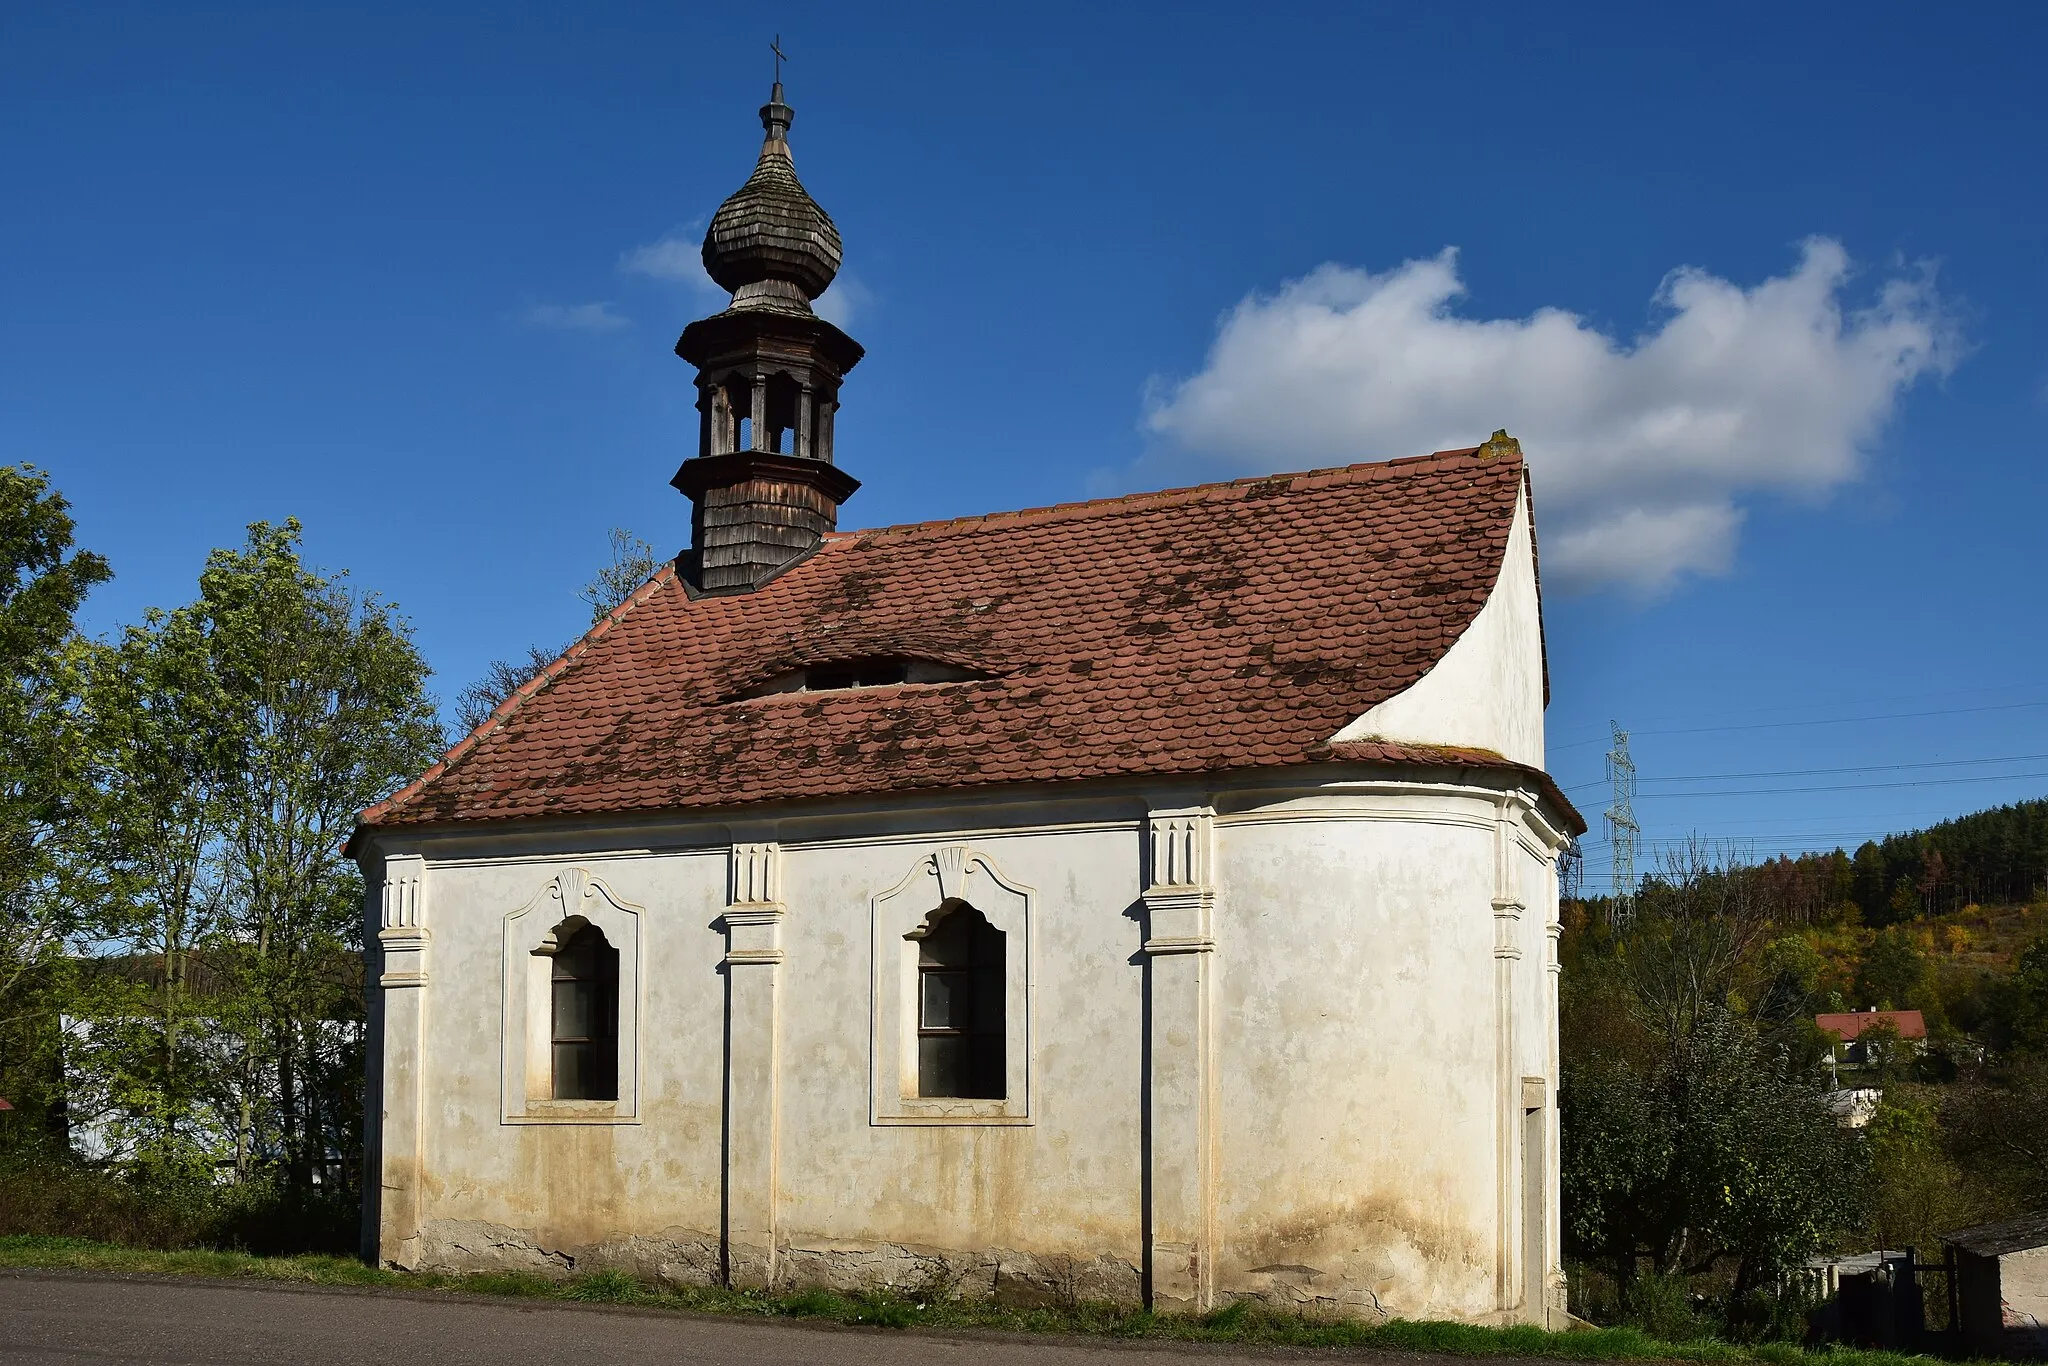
<point>770,244</point>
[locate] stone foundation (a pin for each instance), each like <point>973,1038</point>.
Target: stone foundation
<point>688,1257</point>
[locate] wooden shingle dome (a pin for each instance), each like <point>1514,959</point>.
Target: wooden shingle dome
<point>770,244</point>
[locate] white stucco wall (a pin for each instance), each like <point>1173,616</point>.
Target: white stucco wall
<point>1487,690</point>
<point>1358,1019</point>
<point>2023,1290</point>
<point>1326,1011</point>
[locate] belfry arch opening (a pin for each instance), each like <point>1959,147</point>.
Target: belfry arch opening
<point>777,413</point>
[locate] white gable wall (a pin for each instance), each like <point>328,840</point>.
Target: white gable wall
<point>1487,690</point>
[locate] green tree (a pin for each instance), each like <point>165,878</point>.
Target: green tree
<point>1869,884</point>
<point>1916,1192</point>
<point>1998,1130</point>
<point>1893,972</point>
<point>1698,1142</point>
<point>44,783</point>
<point>2019,1004</point>
<point>160,738</point>
<point>326,711</point>
<point>1721,1152</point>
<point>1791,972</point>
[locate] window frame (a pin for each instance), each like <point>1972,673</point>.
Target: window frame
<point>900,918</point>
<point>531,936</point>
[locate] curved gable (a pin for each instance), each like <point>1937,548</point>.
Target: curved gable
<point>1487,692</point>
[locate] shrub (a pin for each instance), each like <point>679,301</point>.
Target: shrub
<point>165,1209</point>
<point>1665,1307</point>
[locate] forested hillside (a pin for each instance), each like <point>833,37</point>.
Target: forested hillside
<point>1986,858</point>
<point>1704,1152</point>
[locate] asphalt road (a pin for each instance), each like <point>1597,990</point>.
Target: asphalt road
<point>79,1320</point>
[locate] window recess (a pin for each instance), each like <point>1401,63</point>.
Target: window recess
<point>960,1008</point>
<point>585,1018</point>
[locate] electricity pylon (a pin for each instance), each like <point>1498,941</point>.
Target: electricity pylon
<point>1622,830</point>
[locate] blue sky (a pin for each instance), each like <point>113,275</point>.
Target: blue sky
<point>1760,286</point>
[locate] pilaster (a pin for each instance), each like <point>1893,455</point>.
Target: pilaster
<point>402,940</point>
<point>1508,1120</point>
<point>1180,968</point>
<point>753,967</point>
<point>1556,1312</point>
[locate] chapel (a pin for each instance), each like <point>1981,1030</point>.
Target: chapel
<point>1151,899</point>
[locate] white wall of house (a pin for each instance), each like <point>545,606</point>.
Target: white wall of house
<point>1327,1004</point>
<point>2023,1291</point>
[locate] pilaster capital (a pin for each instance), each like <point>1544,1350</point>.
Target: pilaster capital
<point>753,919</point>
<point>402,901</point>
<point>1180,892</point>
<point>402,922</point>
<point>1180,843</point>
<point>756,878</point>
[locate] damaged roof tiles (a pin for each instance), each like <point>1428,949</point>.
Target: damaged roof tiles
<point>1230,626</point>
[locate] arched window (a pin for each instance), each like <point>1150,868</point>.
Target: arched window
<point>960,1007</point>
<point>585,1028</point>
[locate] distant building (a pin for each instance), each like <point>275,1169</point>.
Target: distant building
<point>1149,899</point>
<point>1849,1027</point>
<point>1854,1107</point>
<point>2002,1286</point>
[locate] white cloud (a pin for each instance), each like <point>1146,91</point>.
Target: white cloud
<point>679,259</point>
<point>1643,450</point>
<point>846,299</point>
<point>674,258</point>
<point>597,317</point>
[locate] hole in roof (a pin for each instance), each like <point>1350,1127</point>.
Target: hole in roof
<point>871,671</point>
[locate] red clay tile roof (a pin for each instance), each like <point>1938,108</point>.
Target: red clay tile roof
<point>1229,626</point>
<point>1850,1024</point>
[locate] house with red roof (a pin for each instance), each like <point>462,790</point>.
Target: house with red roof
<point>1151,899</point>
<point>1849,1028</point>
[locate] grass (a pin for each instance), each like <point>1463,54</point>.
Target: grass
<point>1240,1322</point>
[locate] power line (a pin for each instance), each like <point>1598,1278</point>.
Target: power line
<point>1816,772</point>
<point>1846,787</point>
<point>1893,699</point>
<point>1823,721</point>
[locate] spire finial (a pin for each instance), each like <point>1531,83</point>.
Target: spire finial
<point>775,115</point>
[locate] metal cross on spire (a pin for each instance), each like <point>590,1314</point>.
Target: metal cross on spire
<point>780,57</point>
